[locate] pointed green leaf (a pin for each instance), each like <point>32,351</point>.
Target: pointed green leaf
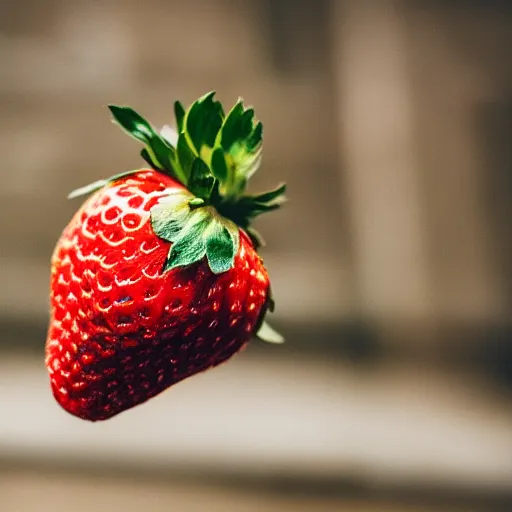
<point>190,247</point>
<point>163,155</point>
<point>256,238</point>
<point>170,215</point>
<point>241,138</point>
<point>203,121</point>
<point>219,166</point>
<point>183,253</point>
<point>195,231</point>
<point>250,207</point>
<point>185,155</point>
<point>215,196</point>
<point>214,156</point>
<point>92,187</point>
<point>164,225</point>
<point>247,165</point>
<point>268,334</point>
<point>144,153</point>
<point>201,180</point>
<point>246,124</point>
<point>132,122</point>
<point>159,153</point>
<point>259,208</point>
<point>271,195</point>
<point>229,134</point>
<point>241,134</point>
<point>237,126</point>
<point>255,139</point>
<point>179,114</point>
<point>221,248</point>
<point>87,189</point>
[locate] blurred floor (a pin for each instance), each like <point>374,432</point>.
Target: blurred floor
<point>64,493</point>
<point>286,422</point>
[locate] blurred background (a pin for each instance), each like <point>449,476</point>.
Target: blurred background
<point>391,121</point>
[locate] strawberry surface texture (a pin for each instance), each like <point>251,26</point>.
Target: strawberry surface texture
<point>157,276</point>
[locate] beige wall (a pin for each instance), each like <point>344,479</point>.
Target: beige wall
<point>376,129</point>
<point>55,132</point>
<point>414,80</point>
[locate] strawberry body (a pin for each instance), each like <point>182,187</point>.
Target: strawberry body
<point>122,330</point>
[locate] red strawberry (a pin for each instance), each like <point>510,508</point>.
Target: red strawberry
<point>157,276</point>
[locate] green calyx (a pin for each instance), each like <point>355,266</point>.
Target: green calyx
<point>195,232</point>
<point>213,155</point>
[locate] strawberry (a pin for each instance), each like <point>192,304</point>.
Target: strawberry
<point>157,276</point>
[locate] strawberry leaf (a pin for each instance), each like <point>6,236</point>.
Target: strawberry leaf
<point>158,152</point>
<point>230,129</point>
<point>240,138</point>
<point>133,123</point>
<point>179,114</point>
<point>255,139</point>
<point>195,230</point>
<point>272,195</point>
<point>185,155</point>
<point>256,238</point>
<point>144,153</point>
<point>268,334</point>
<point>189,247</point>
<point>203,121</point>
<point>221,248</point>
<point>201,179</point>
<point>96,185</point>
<point>243,210</point>
<point>170,215</point>
<point>219,165</point>
<point>213,155</point>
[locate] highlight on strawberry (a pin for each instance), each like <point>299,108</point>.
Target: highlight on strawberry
<point>157,276</point>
